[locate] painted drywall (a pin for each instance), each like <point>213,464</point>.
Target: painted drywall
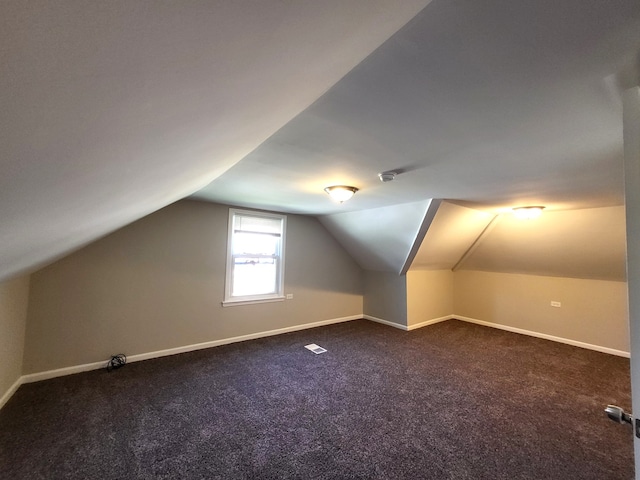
<point>112,110</point>
<point>382,238</point>
<point>592,311</point>
<point>585,243</point>
<point>159,283</point>
<point>14,296</point>
<point>385,296</point>
<point>631,115</point>
<point>453,231</point>
<point>429,295</point>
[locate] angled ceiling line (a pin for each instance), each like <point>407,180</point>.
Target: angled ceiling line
<point>476,243</point>
<point>427,220</point>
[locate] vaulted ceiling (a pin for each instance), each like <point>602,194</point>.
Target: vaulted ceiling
<point>112,110</point>
<point>583,243</point>
<point>494,103</point>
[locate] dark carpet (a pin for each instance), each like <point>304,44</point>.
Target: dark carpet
<point>449,401</point>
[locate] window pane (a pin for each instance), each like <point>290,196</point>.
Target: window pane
<point>255,243</point>
<point>254,276</point>
<point>257,224</point>
<point>255,257</point>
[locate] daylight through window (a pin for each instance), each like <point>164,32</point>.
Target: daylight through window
<point>255,258</point>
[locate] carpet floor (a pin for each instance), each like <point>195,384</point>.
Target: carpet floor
<point>449,401</point>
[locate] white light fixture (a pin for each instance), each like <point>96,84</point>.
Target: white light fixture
<point>341,193</point>
<point>528,213</point>
<point>387,176</point>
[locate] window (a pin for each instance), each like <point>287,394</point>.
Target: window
<point>255,257</point>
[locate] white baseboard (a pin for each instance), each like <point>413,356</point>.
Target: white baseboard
<point>575,343</point>
<point>35,377</point>
<point>430,322</point>
<point>12,389</point>
<point>405,327</point>
<point>385,322</point>
<point>241,338</point>
<point>59,372</point>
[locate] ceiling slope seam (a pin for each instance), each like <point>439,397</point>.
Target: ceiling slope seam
<point>427,220</point>
<point>490,226</point>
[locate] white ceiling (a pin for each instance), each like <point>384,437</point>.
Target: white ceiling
<point>587,243</point>
<point>453,232</point>
<point>582,243</point>
<point>494,103</point>
<point>111,110</point>
<point>380,238</point>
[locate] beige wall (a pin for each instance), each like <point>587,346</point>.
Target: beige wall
<point>429,295</point>
<point>13,317</point>
<point>158,284</point>
<point>385,296</point>
<point>593,311</point>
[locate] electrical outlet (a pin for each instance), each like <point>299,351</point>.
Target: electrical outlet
<point>289,296</point>
<point>556,304</point>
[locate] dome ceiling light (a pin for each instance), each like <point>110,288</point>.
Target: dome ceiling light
<point>528,213</point>
<point>341,193</point>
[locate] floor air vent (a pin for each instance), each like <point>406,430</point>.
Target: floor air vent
<point>315,348</point>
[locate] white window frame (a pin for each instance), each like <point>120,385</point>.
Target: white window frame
<point>229,299</point>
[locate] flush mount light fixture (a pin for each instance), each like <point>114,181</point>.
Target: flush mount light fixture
<point>528,213</point>
<point>341,193</point>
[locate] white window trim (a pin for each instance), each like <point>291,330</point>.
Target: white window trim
<point>253,299</point>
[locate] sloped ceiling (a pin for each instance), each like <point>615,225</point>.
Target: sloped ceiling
<point>491,104</point>
<point>495,103</point>
<point>111,110</point>
<point>452,233</point>
<point>584,243</point>
<point>379,238</point>
<point>588,243</point>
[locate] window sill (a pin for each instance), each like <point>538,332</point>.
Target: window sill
<point>234,303</point>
